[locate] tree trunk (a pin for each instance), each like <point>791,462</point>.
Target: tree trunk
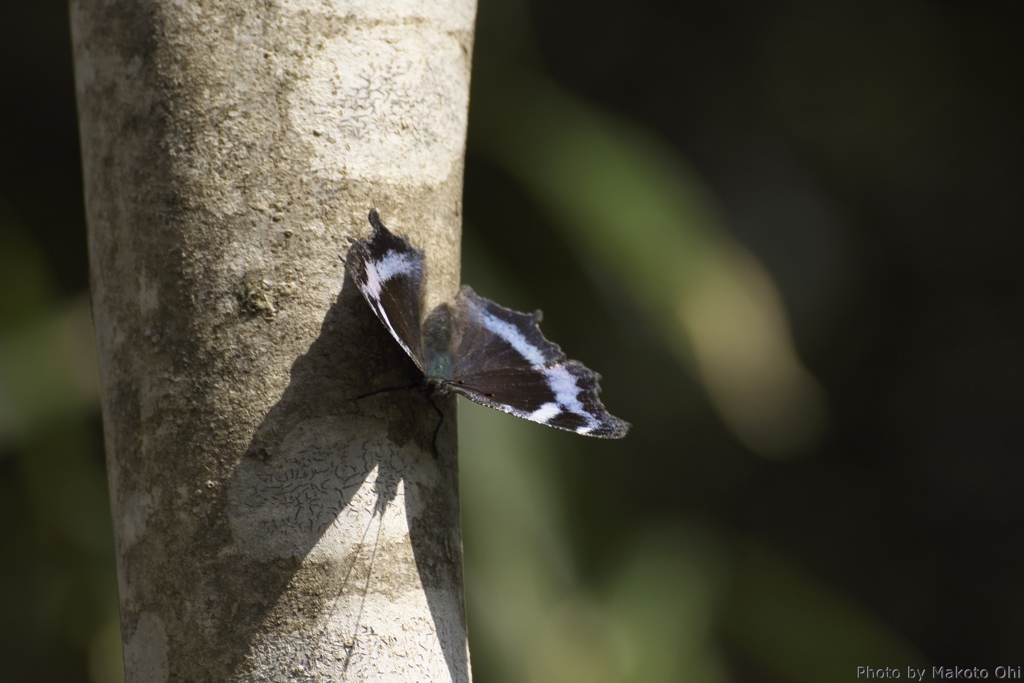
<point>269,526</point>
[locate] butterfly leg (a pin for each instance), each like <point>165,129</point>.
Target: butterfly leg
<point>437,429</point>
<point>430,400</point>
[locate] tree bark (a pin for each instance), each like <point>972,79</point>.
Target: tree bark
<point>269,526</point>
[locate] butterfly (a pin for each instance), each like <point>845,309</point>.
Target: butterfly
<point>474,347</point>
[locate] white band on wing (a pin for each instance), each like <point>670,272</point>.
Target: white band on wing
<point>513,336</point>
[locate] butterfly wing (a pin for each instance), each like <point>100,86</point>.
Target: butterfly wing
<point>500,359</point>
<point>389,272</point>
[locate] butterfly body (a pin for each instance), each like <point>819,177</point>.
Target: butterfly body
<point>439,368</point>
<point>475,347</point>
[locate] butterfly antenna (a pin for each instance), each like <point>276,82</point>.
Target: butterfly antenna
<point>386,390</point>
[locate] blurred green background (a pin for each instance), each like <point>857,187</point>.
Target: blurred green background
<point>789,236</point>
